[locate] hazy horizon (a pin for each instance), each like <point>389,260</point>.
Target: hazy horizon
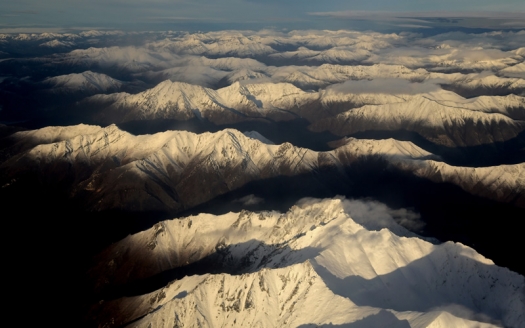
<point>206,15</point>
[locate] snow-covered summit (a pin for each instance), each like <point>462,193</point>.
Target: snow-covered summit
<point>517,70</point>
<point>312,265</point>
<point>450,123</point>
<point>57,44</point>
<point>226,45</point>
<point>87,81</point>
<point>237,102</point>
<point>114,169</point>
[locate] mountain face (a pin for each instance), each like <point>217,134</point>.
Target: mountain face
<point>448,123</point>
<point>314,265</point>
<point>182,101</point>
<point>517,70</point>
<point>235,103</point>
<point>57,44</point>
<point>441,118</point>
<point>88,82</point>
<point>174,170</point>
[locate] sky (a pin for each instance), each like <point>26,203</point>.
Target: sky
<point>254,14</point>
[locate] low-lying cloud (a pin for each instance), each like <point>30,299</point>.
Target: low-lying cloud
<point>374,215</point>
<point>249,200</point>
<point>387,85</point>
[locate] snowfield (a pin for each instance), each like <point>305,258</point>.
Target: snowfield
<point>312,266</point>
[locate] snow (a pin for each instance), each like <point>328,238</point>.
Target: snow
<point>300,53</point>
<point>239,101</point>
<point>56,44</point>
<point>332,262</point>
<point>435,118</point>
<point>311,265</point>
<point>333,55</point>
<point>236,102</point>
<point>257,136</point>
<point>52,134</point>
<point>378,56</point>
<point>86,81</point>
<point>505,183</point>
<point>517,70</point>
<point>225,45</point>
<point>198,167</point>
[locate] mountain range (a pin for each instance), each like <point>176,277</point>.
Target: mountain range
<point>271,178</point>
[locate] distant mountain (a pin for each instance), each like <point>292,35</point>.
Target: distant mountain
<point>333,56</point>
<point>86,82</point>
<point>517,70</point>
<point>182,101</point>
<point>440,121</point>
<point>57,44</point>
<point>225,45</point>
<point>474,85</point>
<point>282,101</point>
<point>459,123</point>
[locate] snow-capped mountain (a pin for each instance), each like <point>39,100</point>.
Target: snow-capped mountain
<point>225,45</point>
<point>479,84</point>
<point>324,262</point>
<point>333,56</point>
<point>88,82</point>
<point>329,73</point>
<point>301,53</point>
<point>182,101</point>
<point>245,75</point>
<point>174,170</point>
<point>57,44</point>
<point>284,101</point>
<point>472,122</point>
<point>517,70</point>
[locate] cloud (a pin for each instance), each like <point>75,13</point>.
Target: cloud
<point>249,200</point>
<point>413,26</point>
<point>432,18</point>
<point>256,135</point>
<point>478,54</point>
<point>385,85</point>
<point>211,59</point>
<point>420,15</point>
<point>36,29</point>
<point>408,219</point>
<point>491,40</point>
<point>374,215</point>
<point>462,311</point>
<point>194,74</point>
<point>207,14</point>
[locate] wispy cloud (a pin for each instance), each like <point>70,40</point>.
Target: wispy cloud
<point>385,85</point>
<point>428,19</point>
<point>249,200</point>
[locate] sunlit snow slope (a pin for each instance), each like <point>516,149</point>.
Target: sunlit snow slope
<point>314,265</point>
<point>111,169</point>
